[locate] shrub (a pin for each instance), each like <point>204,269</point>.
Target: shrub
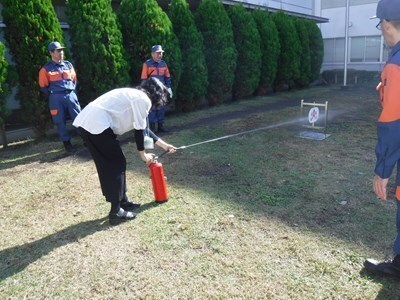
<point>193,87</point>
<point>303,79</point>
<point>270,50</point>
<point>220,52</point>
<point>30,27</point>
<point>248,46</point>
<point>316,49</point>
<point>288,65</point>
<point>97,48</point>
<point>4,111</point>
<point>143,24</point>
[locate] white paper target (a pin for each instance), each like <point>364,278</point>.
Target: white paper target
<point>313,115</point>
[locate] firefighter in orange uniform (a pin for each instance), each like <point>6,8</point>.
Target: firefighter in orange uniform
<point>57,81</point>
<point>156,67</point>
<point>388,126</point>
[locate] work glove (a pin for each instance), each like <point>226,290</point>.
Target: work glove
<point>169,90</point>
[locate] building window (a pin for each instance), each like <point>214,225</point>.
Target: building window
<point>60,9</point>
<point>357,49</point>
<point>334,50</point>
<point>365,49</point>
<point>372,48</point>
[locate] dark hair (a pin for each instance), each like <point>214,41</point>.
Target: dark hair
<point>155,89</point>
<point>395,23</point>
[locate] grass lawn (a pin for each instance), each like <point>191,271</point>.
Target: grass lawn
<point>262,215</point>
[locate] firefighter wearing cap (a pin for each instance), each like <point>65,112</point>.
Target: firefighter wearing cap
<point>388,126</point>
<point>57,81</point>
<point>156,67</point>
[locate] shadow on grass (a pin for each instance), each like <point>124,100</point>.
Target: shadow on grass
<point>389,285</point>
<point>24,154</point>
<point>26,157</point>
<point>15,259</point>
<point>147,206</point>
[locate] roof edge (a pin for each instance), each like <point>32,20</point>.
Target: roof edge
<point>273,10</point>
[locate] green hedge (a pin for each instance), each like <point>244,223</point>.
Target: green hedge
<point>193,88</point>
<point>248,46</point>
<point>270,50</point>
<point>316,48</point>
<point>96,47</point>
<point>230,51</point>
<point>144,24</point>
<point>30,27</point>
<point>220,51</point>
<point>289,59</point>
<point>303,79</point>
<point>4,111</point>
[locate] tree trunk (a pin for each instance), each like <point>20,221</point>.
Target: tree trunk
<point>3,135</point>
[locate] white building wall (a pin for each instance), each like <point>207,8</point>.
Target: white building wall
<point>317,8</point>
<point>359,22</point>
<point>298,6</point>
<point>360,26</point>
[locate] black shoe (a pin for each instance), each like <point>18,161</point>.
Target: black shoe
<point>121,216</point>
<point>396,261</point>
<point>68,146</point>
<point>386,268</point>
<point>129,206</point>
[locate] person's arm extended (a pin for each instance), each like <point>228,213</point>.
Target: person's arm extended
<point>165,146</point>
<point>160,143</point>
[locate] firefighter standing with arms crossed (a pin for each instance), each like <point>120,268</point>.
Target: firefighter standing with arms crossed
<point>57,81</point>
<point>156,67</point>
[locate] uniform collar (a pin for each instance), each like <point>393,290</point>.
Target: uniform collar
<point>395,49</point>
<point>61,63</point>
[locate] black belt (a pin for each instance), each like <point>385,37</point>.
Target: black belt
<point>61,92</point>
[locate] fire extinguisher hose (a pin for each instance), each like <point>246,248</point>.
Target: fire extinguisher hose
<point>239,133</point>
<point>161,155</point>
<point>232,135</point>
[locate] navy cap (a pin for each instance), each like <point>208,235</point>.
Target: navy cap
<point>388,10</point>
<point>54,46</point>
<point>157,48</point>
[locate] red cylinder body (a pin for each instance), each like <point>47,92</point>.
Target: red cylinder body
<point>158,181</point>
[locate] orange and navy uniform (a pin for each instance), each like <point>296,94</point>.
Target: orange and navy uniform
<point>151,68</point>
<point>57,81</point>
<point>388,126</point>
<point>159,70</point>
<point>57,77</point>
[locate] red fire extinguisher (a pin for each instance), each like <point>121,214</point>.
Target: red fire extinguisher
<point>158,181</point>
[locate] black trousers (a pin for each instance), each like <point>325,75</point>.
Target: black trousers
<point>110,163</point>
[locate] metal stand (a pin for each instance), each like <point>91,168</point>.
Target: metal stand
<point>317,130</point>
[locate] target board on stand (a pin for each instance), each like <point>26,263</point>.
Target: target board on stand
<point>314,120</point>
